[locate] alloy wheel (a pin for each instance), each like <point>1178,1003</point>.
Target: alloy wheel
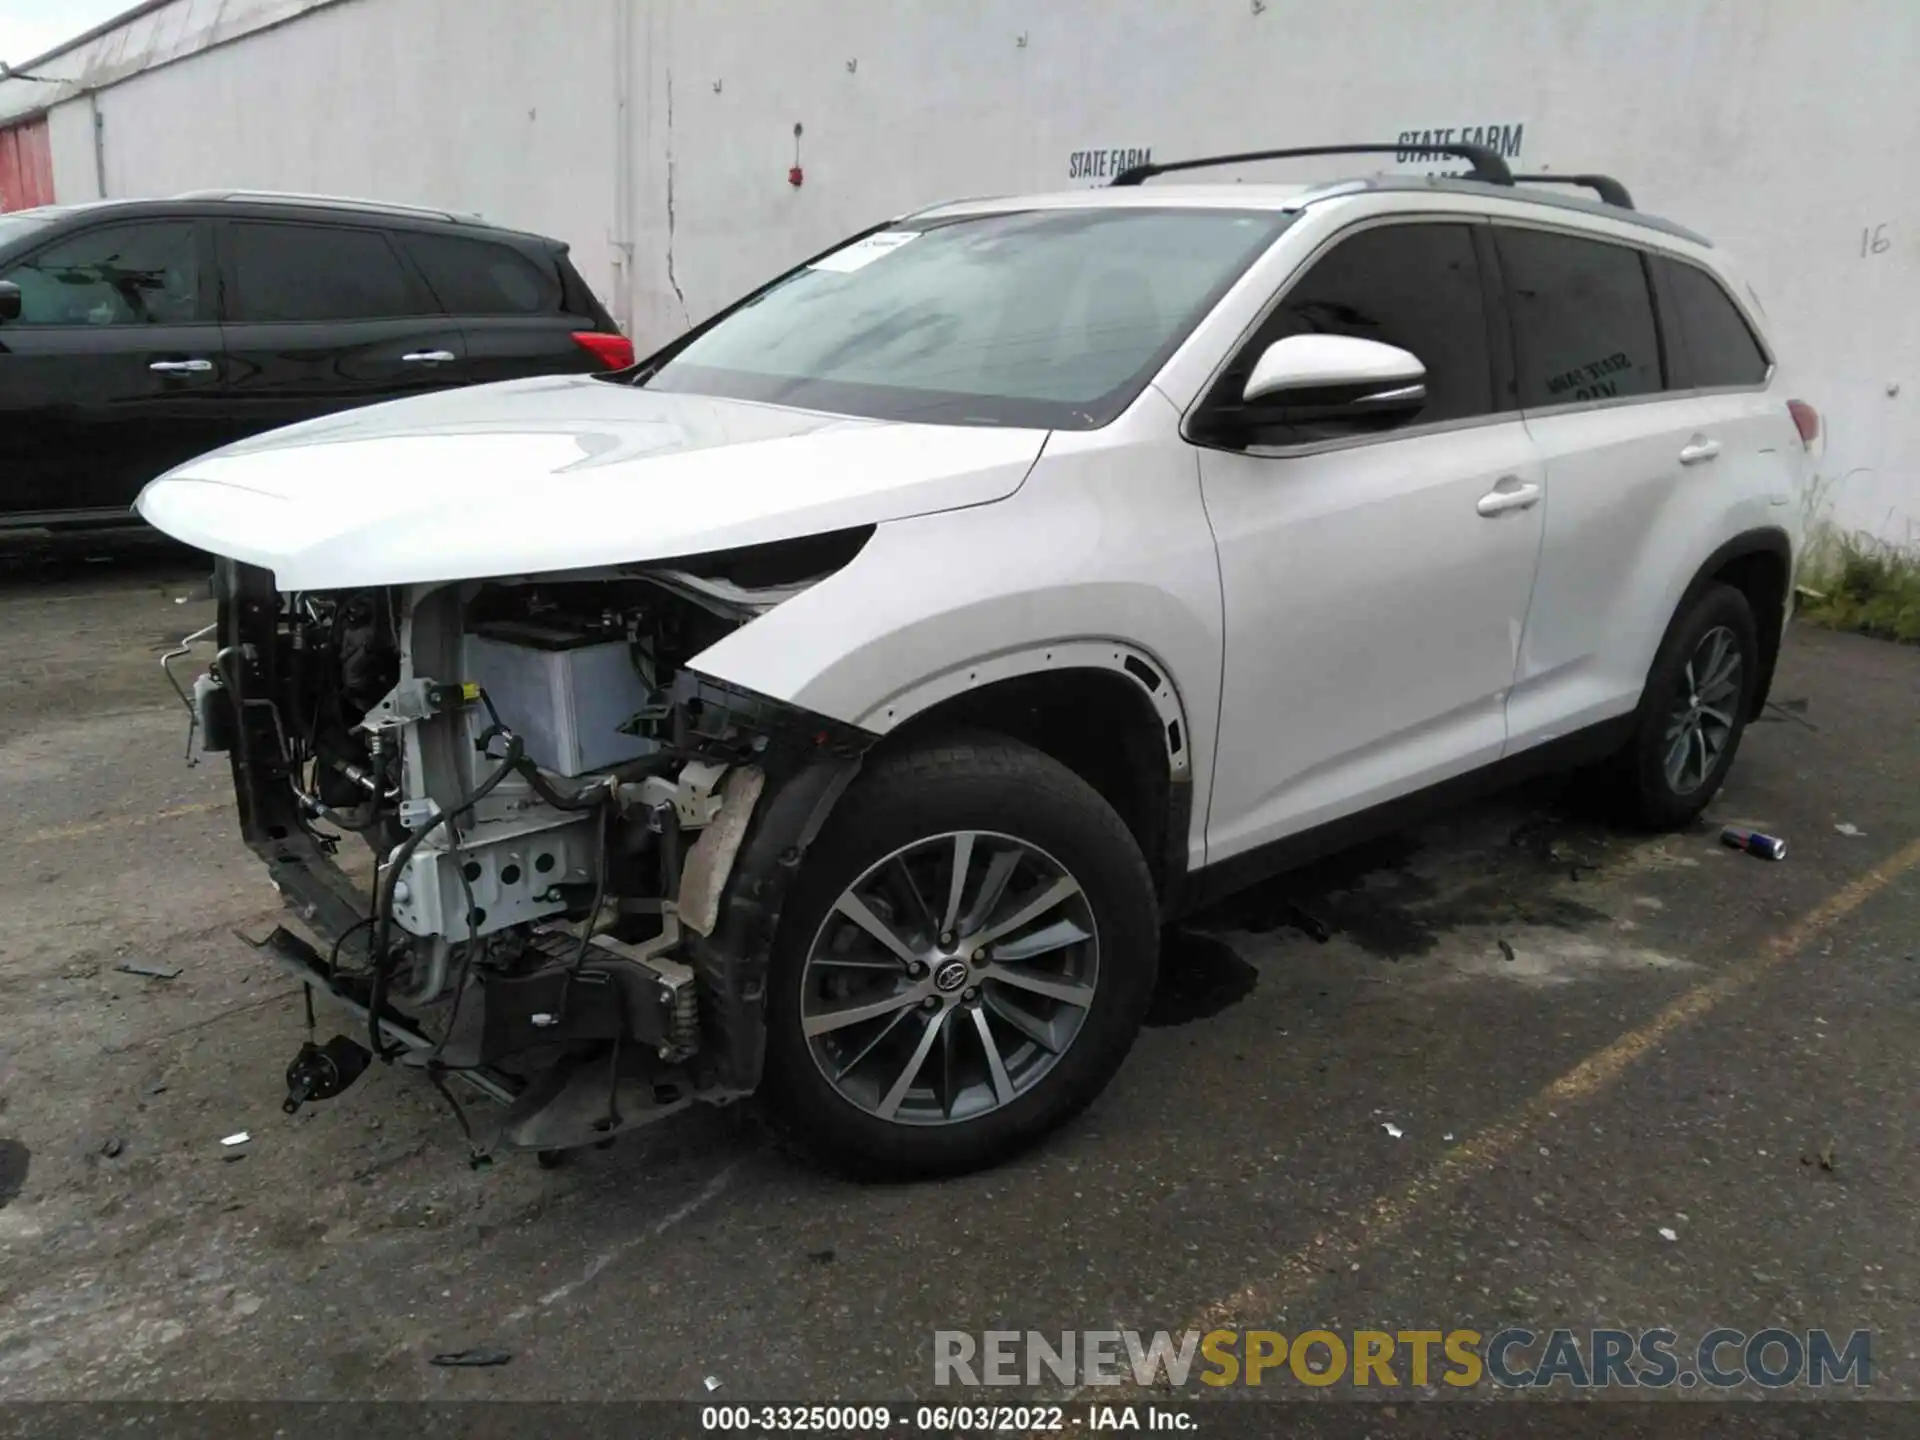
<point>1701,724</point>
<point>949,978</point>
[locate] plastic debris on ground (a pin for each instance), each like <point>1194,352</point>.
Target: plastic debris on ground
<point>152,972</point>
<point>1668,1233</point>
<point>474,1359</point>
<point>239,1137</point>
<point>1847,827</point>
<point>712,1383</point>
<point>113,1147</point>
<point>1394,1130</point>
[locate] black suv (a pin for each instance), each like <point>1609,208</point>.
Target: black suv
<point>135,334</point>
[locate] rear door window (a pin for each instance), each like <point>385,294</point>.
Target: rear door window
<point>1720,347</point>
<point>291,273</point>
<point>483,277</point>
<point>118,275</point>
<point>1583,325</point>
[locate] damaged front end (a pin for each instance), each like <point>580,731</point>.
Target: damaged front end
<point>538,851</point>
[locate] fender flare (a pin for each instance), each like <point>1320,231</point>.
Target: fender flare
<point>1152,678</point>
<point>1762,540</point>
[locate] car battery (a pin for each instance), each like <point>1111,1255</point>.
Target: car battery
<point>564,692</point>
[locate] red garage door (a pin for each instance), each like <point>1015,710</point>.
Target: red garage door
<point>26,166</point>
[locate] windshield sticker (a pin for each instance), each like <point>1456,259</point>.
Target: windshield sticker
<point>863,253</point>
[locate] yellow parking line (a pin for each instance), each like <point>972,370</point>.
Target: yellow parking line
<point>1263,1300</point>
<point>116,822</point>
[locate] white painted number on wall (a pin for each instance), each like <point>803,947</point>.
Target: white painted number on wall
<point>1874,241</point>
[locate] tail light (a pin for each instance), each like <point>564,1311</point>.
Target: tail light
<point>616,351</point>
<point>1806,420</point>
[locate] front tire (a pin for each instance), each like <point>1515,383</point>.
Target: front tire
<point>963,963</point>
<point>1694,710</point>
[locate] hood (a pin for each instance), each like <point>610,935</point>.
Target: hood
<point>562,473</point>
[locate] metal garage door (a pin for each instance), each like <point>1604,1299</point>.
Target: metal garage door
<point>26,165</point>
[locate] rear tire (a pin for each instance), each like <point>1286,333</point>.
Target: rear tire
<point>1693,711</point>
<point>985,1030</point>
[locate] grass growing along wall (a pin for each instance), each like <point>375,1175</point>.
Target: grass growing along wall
<point>1865,585</point>
<point>1856,581</point>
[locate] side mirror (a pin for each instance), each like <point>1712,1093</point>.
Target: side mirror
<point>9,300</point>
<point>1335,379</point>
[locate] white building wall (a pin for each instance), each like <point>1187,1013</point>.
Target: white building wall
<point>1782,129</point>
<point>498,106</point>
<point>70,134</point>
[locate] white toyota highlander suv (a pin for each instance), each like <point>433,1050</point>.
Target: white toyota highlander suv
<point>836,704</point>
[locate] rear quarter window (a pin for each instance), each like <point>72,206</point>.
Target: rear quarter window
<point>1719,345</point>
<point>484,277</point>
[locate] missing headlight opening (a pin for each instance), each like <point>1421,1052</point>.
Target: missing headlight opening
<point>578,843</point>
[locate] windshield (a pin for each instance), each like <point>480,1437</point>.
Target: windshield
<point>1047,318</point>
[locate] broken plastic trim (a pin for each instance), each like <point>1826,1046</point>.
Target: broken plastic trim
<point>808,760</point>
<point>732,962</point>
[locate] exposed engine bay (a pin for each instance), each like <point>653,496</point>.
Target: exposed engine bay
<point>576,844</point>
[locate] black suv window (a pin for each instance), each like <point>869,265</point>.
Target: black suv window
<point>482,277</point>
<point>1720,348</point>
<point>285,272</point>
<point>120,275</point>
<point>1414,286</point>
<point>1582,318</point>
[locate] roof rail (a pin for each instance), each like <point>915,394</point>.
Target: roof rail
<point>1605,186</point>
<point>343,202</point>
<point>1487,166</point>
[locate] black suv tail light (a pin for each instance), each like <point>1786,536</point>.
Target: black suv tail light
<point>613,351</point>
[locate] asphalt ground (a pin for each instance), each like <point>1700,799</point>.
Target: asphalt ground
<point>1544,1073</point>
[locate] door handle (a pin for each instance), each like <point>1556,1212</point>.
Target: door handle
<point>181,367</point>
<point>427,357</point>
<point>1516,497</point>
<point>1698,451</point>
